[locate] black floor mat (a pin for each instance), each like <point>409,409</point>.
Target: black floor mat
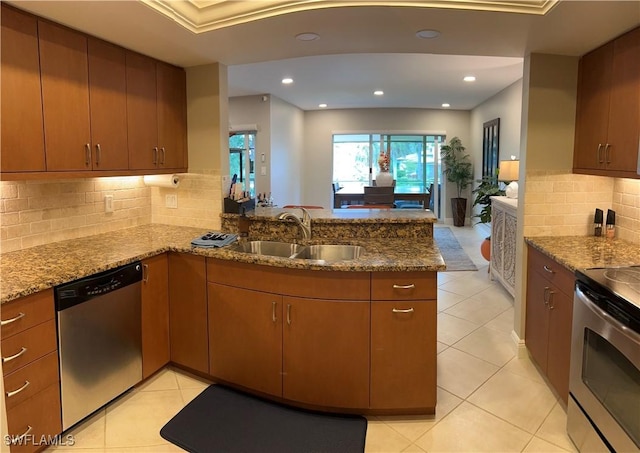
<point>224,420</point>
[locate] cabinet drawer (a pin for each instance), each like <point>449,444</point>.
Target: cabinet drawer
<point>35,342</point>
<point>551,271</point>
<point>31,379</point>
<point>42,414</point>
<point>26,312</point>
<point>404,285</point>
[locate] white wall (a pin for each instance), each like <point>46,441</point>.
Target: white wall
<point>320,125</point>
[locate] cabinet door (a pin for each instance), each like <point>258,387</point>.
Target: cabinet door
<point>142,120</point>
<point>559,350</point>
<point>22,124</point>
<point>624,111</point>
<point>65,97</point>
<point>326,352</point>
<point>592,117</point>
<point>172,115</point>
<point>188,311</point>
<point>537,323</point>
<point>108,91</point>
<point>245,337</point>
<point>155,314</point>
<point>403,355</point>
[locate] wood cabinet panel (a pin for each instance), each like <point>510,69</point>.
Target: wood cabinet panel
<point>172,115</point>
<point>36,308</point>
<point>36,342</point>
<point>559,353</point>
<point>108,95</point>
<point>32,379</point>
<point>42,413</point>
<point>188,311</point>
<point>142,120</point>
<point>403,355</point>
<point>326,352</point>
<point>403,285</point>
<point>156,351</point>
<point>537,321</point>
<point>245,338</point>
<point>22,122</point>
<point>65,97</point>
<point>551,270</point>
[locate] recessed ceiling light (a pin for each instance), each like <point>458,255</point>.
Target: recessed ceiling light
<point>307,36</point>
<point>287,80</point>
<point>322,106</point>
<point>427,34</point>
<point>445,105</point>
<point>469,78</point>
<point>378,92</point>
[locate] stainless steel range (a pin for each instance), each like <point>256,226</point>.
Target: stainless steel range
<point>604,385</point>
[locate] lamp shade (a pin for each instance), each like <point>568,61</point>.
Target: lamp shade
<point>509,170</point>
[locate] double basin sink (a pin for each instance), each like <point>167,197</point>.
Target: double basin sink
<point>321,252</point>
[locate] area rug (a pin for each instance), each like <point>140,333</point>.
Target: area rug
<point>224,420</point>
<point>454,257</point>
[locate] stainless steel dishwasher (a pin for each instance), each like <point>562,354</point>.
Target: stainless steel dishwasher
<point>99,339</point>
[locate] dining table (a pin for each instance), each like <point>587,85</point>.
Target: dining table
<point>348,196</point>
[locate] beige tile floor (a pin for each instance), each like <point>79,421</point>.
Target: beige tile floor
<point>488,399</point>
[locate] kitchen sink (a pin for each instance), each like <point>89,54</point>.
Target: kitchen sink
<point>328,252</point>
<point>324,252</point>
<point>269,248</point>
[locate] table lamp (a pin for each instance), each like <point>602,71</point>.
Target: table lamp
<point>508,172</point>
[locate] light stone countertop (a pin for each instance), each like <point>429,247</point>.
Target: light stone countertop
<point>361,216</point>
<point>35,269</point>
<point>581,252</point>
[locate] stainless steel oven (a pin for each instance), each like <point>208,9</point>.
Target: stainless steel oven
<point>604,404</point>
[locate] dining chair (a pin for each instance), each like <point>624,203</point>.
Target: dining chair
<point>379,195</point>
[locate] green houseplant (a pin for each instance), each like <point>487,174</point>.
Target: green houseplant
<point>457,169</point>
<point>488,187</point>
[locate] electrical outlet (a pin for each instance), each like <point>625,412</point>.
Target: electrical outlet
<point>108,203</point>
<point>263,171</point>
<point>171,201</point>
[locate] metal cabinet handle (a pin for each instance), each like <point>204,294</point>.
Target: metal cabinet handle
<point>607,153</point>
<point>9,321</point>
<point>401,310</point>
<point>164,155</point>
<point>20,438</point>
<point>98,154</point>
<point>548,269</point>
<point>87,154</point>
<point>14,356</point>
<point>15,392</point>
<point>599,156</point>
<point>289,314</point>
<point>155,155</point>
<point>545,297</point>
<point>274,305</point>
<point>411,286</point>
<point>550,305</point>
<point>145,273</point>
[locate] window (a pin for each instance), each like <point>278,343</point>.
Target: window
<point>414,160</point>
<point>242,147</point>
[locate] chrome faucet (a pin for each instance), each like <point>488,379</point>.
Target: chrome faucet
<point>304,223</point>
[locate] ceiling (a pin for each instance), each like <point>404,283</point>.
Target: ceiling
<point>363,45</point>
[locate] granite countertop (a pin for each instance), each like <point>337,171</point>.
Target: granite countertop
<point>35,269</point>
<point>580,252</point>
<point>348,215</point>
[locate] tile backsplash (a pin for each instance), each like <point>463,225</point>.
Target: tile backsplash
<point>562,204</point>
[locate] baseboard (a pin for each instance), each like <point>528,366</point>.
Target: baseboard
<point>521,348</point>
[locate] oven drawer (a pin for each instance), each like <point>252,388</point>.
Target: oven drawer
<point>21,314</point>
<point>27,346</point>
<point>31,379</point>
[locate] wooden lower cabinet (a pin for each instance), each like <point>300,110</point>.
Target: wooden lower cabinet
<point>326,352</point>
<point>156,351</point>
<point>245,337</point>
<point>403,354</point>
<point>549,317</point>
<point>188,311</point>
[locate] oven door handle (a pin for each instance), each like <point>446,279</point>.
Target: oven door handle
<point>586,300</point>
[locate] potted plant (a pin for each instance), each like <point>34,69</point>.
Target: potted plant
<point>457,169</point>
<point>488,187</point>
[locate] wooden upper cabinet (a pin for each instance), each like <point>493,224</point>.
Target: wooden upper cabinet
<point>172,115</point>
<point>22,124</point>
<point>142,117</point>
<point>65,97</point>
<point>108,96</point>
<point>608,109</point>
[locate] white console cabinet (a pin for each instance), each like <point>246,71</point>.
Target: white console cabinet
<point>503,241</point>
